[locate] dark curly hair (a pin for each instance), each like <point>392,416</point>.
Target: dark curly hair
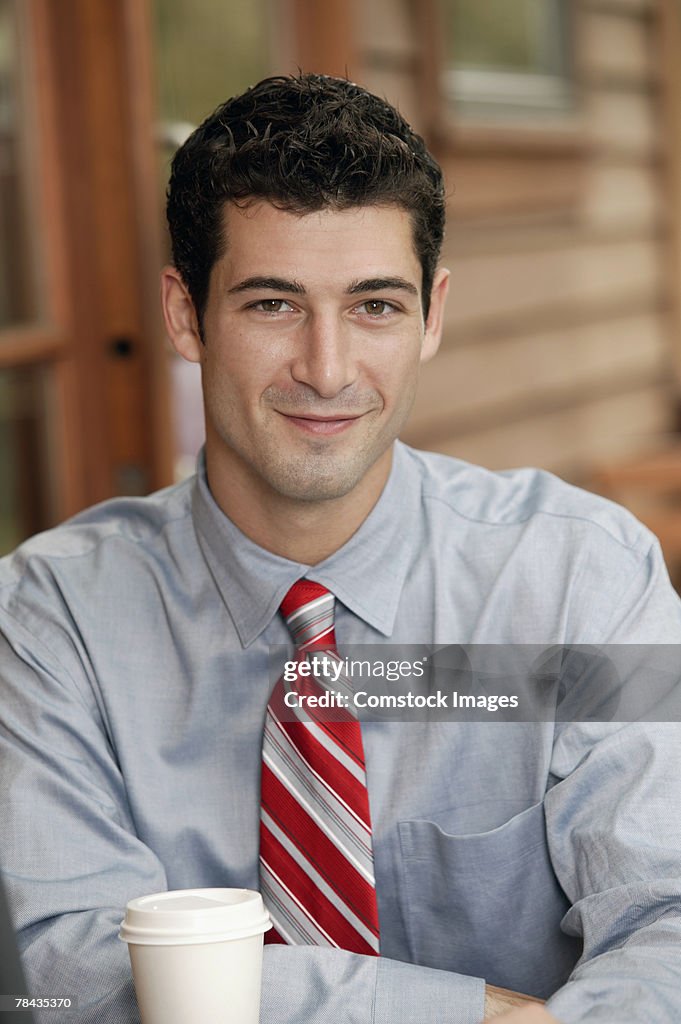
<point>302,143</point>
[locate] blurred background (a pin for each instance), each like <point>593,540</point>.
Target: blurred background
<point>557,123</point>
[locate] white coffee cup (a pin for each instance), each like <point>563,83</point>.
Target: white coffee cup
<point>196,955</point>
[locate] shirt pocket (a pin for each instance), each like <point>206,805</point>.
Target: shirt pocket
<point>487,904</point>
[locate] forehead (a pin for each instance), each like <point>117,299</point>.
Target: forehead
<point>328,246</point>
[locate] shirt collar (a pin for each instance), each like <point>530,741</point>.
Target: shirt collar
<point>367,574</point>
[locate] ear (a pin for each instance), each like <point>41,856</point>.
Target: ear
<point>435,321</point>
<point>180,317</point>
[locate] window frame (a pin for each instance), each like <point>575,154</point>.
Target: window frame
<point>554,134</point>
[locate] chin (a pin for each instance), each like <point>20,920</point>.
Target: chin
<point>299,484</point>
<point>317,490</point>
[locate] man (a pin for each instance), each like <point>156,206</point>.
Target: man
<point>306,220</point>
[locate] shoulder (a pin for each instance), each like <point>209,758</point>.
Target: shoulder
<point>135,521</point>
<point>107,541</point>
<point>524,497</point>
<point>538,557</point>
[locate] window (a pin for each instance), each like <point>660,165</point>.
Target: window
<point>28,404</point>
<point>25,453</point>
<point>507,60</point>
<point>17,264</point>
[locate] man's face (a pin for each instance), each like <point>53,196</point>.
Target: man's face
<point>313,337</point>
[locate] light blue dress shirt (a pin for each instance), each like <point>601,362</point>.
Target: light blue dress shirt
<point>134,656</point>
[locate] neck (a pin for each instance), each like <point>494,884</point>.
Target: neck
<point>302,531</point>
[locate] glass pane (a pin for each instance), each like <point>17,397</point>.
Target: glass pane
<point>17,272</point>
<point>507,56</point>
<point>511,35</point>
<point>24,454</point>
<point>206,51</point>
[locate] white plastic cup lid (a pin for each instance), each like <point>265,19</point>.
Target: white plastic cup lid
<point>190,916</point>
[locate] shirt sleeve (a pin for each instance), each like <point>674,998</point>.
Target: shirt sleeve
<point>313,985</point>
<point>71,860</point>
<point>68,850</point>
<point>614,829</point>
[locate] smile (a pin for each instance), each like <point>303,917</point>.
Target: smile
<point>321,424</point>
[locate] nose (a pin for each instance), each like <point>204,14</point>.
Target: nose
<point>323,359</point>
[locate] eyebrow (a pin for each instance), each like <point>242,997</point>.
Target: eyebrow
<point>281,284</point>
<point>378,284</point>
<point>275,284</point>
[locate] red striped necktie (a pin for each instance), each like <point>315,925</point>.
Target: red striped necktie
<point>316,856</point>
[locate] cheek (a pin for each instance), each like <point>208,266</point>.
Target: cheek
<point>237,372</point>
<point>254,363</point>
<point>396,377</point>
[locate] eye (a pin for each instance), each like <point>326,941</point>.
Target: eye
<point>377,307</point>
<point>272,306</point>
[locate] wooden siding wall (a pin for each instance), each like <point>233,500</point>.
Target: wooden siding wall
<point>558,346</point>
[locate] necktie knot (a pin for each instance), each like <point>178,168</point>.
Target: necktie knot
<point>308,609</point>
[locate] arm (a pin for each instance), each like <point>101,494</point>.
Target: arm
<point>512,1006</point>
<point>314,985</point>
<point>68,849</point>
<point>614,828</point>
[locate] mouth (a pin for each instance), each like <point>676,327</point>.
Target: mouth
<point>322,424</point>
